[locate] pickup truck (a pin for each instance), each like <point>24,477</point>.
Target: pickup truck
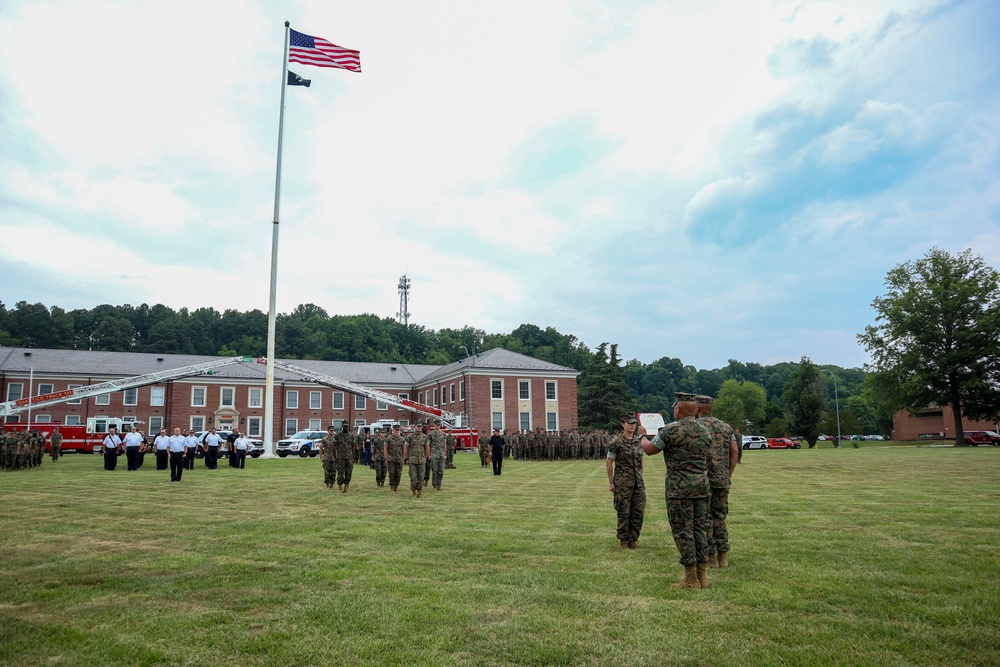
<point>783,443</point>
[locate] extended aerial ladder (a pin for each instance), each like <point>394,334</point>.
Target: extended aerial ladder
<point>337,383</point>
<point>34,402</point>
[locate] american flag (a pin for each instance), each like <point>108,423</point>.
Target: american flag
<point>317,51</point>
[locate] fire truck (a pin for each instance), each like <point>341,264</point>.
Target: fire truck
<point>83,438</point>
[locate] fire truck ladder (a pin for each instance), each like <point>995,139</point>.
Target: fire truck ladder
<point>22,405</point>
<point>375,394</point>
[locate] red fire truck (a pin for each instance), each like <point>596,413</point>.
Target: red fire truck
<point>82,438</point>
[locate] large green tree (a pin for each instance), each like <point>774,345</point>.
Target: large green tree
<point>937,337</point>
<point>602,395</point>
<point>805,401</point>
<point>741,405</point>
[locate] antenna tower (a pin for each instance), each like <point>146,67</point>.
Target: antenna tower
<point>404,301</point>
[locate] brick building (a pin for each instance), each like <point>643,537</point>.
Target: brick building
<point>497,388</point>
<point>933,423</point>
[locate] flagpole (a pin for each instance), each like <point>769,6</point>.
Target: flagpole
<point>272,302</point>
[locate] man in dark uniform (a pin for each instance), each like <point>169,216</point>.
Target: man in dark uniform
<point>496,445</point>
<point>685,445</point>
<point>110,445</point>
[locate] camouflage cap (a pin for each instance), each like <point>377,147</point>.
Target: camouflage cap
<point>685,397</point>
<point>629,418</point>
<point>703,399</point>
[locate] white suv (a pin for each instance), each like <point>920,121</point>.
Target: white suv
<point>303,443</point>
<point>754,442</point>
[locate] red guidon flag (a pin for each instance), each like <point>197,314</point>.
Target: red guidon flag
<point>310,50</point>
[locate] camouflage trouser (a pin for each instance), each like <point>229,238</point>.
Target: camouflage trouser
<point>56,451</point>
<point>688,522</point>
<point>380,470</point>
<point>395,472</point>
<point>427,472</point>
<point>717,532</point>
<point>417,475</point>
<point>329,472</point>
<point>630,503</point>
<point>345,467</point>
<point>449,456</point>
<point>437,471</point>
<point>482,457</point>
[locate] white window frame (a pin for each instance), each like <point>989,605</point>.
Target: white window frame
<point>552,421</point>
<point>40,391</point>
<point>289,395</point>
<point>73,420</point>
<point>360,402</point>
<point>291,426</point>
<point>461,390</point>
<point>102,399</point>
<point>555,390</point>
<point>153,392</point>
<point>20,391</point>
<point>12,419</point>
<point>315,424</point>
<point>435,396</point>
<point>338,425</point>
<point>526,386</point>
<point>524,421</point>
<point>495,384</point>
<point>255,426</point>
<point>42,419</point>
<point>381,405</point>
<point>222,397</point>
<point>360,422</point>
<point>255,393</point>
<point>197,423</point>
<point>404,422</point>
<point>404,395</point>
<point>338,400</point>
<point>496,420</point>
<point>78,401</point>
<point>315,401</point>
<point>204,396</point>
<point>451,391</point>
<point>134,392</point>
<point>154,423</point>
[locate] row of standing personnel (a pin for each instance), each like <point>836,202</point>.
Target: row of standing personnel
<point>541,445</point>
<point>21,450</point>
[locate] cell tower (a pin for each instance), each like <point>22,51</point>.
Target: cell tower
<point>404,301</point>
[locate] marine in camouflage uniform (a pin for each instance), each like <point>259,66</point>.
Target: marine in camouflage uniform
<point>347,449</point>
<point>449,460</point>
<point>624,464</point>
<point>721,461</point>
<point>484,448</point>
<point>56,439</point>
<point>438,445</point>
<point>394,446</point>
<point>685,445</point>
<point>378,458</point>
<point>328,453</point>
<point>415,455</point>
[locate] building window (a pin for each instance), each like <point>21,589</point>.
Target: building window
<point>292,400</point>
<point>72,420</point>
<point>359,422</point>
<point>435,396</point>
<point>227,398</point>
<point>15,391</point>
<point>78,401</point>
<point>42,419</point>
<point>525,419</point>
<point>359,402</point>
<point>156,397</point>
<point>550,391</point>
<point>155,423</point>
<point>403,423</point>
<point>255,398</point>
<point>131,397</point>
<point>452,390</point>
<point>45,389</point>
<point>338,424</point>
<point>496,389</point>
<point>291,427</point>
<point>12,419</point>
<point>198,396</point>
<point>315,425</point>
<point>253,427</point>
<point>380,405</point>
<point>103,399</point>
<point>197,423</point>
<point>551,423</point>
<point>315,400</point>
<point>498,420</point>
<point>524,390</point>
<point>338,400</point>
<point>461,390</point>
<point>420,397</point>
<point>404,396</point>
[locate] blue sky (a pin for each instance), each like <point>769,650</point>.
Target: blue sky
<point>703,180</point>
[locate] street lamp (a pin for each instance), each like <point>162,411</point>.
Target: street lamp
<point>836,398</point>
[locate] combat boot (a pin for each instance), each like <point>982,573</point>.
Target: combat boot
<point>420,493</point>
<point>723,559</point>
<point>713,561</point>
<point>690,578</point>
<point>702,569</point>
<point>633,545</point>
<point>340,487</point>
<point>346,486</point>
<point>413,493</point>
<point>624,544</point>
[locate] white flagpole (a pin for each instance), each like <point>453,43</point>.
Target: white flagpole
<point>272,302</point>
<point>31,384</point>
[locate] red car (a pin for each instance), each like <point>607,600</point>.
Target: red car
<point>982,438</point>
<point>783,443</point>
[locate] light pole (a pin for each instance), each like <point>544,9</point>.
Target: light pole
<point>836,398</point>
<point>468,387</point>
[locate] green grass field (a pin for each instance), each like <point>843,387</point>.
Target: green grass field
<point>872,556</point>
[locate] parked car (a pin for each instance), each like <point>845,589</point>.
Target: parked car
<point>754,442</point>
<point>303,443</point>
<point>975,438</point>
<point>783,443</point>
<point>254,449</point>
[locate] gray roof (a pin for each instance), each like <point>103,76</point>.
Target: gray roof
<point>126,364</point>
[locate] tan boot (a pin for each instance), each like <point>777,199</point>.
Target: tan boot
<point>346,486</point>
<point>413,493</point>
<point>713,562</point>
<point>723,559</point>
<point>420,493</point>
<point>633,545</point>
<point>624,544</point>
<point>690,578</point>
<point>340,487</point>
<point>702,569</point>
